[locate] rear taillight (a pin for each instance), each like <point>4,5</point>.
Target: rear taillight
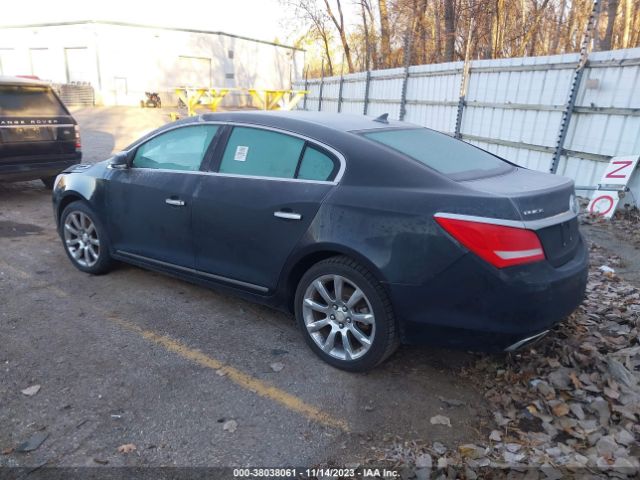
<point>77,132</point>
<point>501,246</point>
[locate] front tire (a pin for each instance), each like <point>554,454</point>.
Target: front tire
<point>85,239</point>
<point>346,315</point>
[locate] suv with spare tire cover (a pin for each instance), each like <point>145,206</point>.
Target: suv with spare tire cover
<point>38,136</point>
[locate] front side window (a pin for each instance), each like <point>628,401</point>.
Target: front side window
<point>262,153</point>
<point>440,152</point>
<point>180,149</point>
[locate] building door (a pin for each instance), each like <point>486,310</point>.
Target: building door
<point>193,72</point>
<point>42,64</point>
<point>121,90</point>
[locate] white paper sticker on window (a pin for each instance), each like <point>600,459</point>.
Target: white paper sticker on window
<point>241,153</point>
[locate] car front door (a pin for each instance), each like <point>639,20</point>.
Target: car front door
<point>251,212</point>
<point>150,203</point>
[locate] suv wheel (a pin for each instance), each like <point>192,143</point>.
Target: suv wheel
<point>84,238</point>
<point>345,315</point>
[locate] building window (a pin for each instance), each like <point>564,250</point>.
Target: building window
<point>229,76</point>
<point>230,54</point>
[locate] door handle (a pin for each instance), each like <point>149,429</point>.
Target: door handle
<point>287,215</point>
<point>175,202</point>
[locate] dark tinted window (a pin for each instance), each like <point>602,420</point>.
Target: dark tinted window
<point>22,101</point>
<point>262,153</point>
<point>315,165</point>
<point>179,149</point>
<point>438,151</point>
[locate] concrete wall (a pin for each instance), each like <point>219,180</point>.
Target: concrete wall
<point>122,61</point>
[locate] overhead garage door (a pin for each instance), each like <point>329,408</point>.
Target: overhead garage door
<point>42,64</point>
<point>8,62</point>
<point>194,72</point>
<point>77,60</point>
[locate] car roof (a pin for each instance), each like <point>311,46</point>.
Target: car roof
<point>342,122</point>
<point>5,80</point>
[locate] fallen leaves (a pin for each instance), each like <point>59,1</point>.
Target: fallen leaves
<point>31,391</point>
<point>570,402</point>
<point>277,366</point>
<point>440,420</point>
<point>230,426</point>
<point>127,448</point>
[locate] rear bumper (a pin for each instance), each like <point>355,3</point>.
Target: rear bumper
<point>474,306</point>
<point>46,166</point>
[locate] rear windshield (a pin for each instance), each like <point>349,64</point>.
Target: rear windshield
<point>441,152</point>
<point>24,101</point>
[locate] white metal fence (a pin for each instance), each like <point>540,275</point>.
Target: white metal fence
<point>513,107</point>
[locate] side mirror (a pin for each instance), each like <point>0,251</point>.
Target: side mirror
<point>120,161</point>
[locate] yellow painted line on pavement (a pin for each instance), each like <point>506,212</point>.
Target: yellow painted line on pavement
<point>264,389</point>
<point>240,378</point>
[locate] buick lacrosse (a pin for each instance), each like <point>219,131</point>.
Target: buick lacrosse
<point>372,232</point>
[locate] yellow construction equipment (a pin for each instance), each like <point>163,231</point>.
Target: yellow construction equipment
<point>209,97</point>
<point>270,99</point>
<point>264,99</point>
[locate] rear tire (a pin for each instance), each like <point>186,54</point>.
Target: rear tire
<point>85,239</point>
<point>345,315</point>
<point>48,182</point>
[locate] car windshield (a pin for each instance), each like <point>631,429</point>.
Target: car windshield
<point>441,152</point>
<point>19,100</point>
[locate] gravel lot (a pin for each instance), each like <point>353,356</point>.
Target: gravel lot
<point>139,358</point>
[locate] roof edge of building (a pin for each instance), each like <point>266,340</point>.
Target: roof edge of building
<point>141,25</point>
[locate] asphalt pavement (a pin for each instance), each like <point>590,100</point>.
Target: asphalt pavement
<point>187,375</point>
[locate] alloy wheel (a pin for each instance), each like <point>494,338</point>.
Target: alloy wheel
<point>339,317</point>
<point>81,238</point>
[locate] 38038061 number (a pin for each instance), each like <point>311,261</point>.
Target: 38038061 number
<point>264,472</point>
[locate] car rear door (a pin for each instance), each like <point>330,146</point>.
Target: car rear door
<point>150,203</point>
<point>249,215</point>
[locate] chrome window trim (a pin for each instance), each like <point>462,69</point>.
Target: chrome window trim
<point>232,175</point>
<point>529,225</point>
<point>212,276</point>
<point>341,158</point>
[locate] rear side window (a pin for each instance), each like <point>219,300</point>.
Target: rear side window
<point>439,151</point>
<point>17,100</point>
<point>262,153</point>
<point>180,149</point>
<point>315,165</point>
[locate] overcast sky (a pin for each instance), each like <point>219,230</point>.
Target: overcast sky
<point>260,19</point>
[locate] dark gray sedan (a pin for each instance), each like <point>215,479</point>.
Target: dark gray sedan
<point>373,232</point>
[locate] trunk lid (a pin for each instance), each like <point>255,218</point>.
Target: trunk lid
<point>544,202</point>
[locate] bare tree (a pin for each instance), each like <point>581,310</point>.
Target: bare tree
<point>385,38</point>
<point>450,30</point>
<point>341,31</point>
<point>438,28</point>
<point>612,9</point>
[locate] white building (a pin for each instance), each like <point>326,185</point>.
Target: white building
<point>122,61</point>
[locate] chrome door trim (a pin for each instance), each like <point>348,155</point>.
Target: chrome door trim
<point>529,225</point>
<point>219,278</point>
<point>336,153</point>
<point>288,215</point>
